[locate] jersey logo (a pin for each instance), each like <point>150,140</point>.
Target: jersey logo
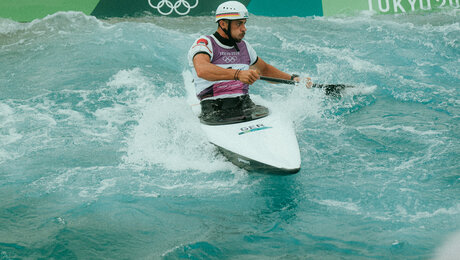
<point>202,42</point>
<point>230,59</point>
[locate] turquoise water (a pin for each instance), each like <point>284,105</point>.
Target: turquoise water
<point>101,157</point>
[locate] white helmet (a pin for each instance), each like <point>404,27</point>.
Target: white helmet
<point>231,10</point>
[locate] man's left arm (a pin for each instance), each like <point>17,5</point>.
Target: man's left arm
<point>268,70</point>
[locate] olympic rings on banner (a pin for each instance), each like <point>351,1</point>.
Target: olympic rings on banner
<point>174,7</point>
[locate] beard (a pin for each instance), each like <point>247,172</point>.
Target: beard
<point>239,38</point>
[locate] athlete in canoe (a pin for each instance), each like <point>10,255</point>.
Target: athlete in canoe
<point>224,65</point>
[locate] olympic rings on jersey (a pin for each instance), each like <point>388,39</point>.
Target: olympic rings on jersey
<point>230,59</point>
<point>173,7</point>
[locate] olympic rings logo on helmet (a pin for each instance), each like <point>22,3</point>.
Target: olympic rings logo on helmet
<point>173,7</point>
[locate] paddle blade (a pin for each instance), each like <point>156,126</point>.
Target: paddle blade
<point>332,89</point>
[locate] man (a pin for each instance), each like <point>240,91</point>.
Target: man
<point>224,65</point>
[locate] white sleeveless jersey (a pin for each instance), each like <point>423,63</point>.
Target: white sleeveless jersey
<point>225,57</point>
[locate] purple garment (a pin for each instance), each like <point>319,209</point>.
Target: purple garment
<point>230,59</point>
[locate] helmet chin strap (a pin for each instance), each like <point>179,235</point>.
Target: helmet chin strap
<point>229,34</point>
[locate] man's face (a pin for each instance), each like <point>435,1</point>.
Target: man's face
<point>238,29</point>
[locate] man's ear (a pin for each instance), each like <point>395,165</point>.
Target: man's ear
<point>223,24</point>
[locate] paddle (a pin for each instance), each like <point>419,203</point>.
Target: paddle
<point>330,89</point>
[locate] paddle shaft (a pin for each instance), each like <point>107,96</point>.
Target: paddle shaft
<point>277,80</point>
<point>331,89</point>
<point>287,81</point>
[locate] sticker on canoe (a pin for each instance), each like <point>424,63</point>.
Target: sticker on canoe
<point>253,128</point>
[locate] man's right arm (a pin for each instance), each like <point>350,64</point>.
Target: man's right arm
<point>208,71</point>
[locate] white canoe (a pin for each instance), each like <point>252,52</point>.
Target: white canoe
<point>267,144</point>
